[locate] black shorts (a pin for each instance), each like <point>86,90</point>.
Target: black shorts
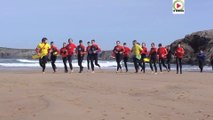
<point>93,57</point>
<point>89,57</point>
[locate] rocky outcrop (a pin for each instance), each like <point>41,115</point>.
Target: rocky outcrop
<point>193,43</point>
<point>16,53</point>
<point>106,55</point>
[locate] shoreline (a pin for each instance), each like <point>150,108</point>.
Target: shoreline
<point>105,69</point>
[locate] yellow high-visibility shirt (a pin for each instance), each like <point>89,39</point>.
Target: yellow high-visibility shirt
<point>43,49</point>
<point>137,50</point>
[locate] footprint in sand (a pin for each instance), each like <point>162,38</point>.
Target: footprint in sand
<point>127,113</point>
<point>34,115</point>
<point>182,95</point>
<point>89,109</point>
<point>105,115</point>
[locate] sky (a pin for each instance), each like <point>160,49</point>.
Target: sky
<point>23,23</point>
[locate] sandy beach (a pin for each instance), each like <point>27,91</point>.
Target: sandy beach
<point>105,95</point>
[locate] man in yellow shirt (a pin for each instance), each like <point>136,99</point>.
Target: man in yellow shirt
<point>136,50</point>
<point>43,51</point>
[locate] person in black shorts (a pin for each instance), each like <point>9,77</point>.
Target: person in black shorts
<point>95,49</point>
<point>118,52</point>
<point>153,57</point>
<point>64,54</point>
<point>53,55</point>
<point>169,58</point>
<point>126,55</point>
<point>88,55</point>
<point>80,51</point>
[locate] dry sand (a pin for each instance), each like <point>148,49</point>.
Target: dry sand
<point>30,95</point>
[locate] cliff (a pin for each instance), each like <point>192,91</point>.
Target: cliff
<point>16,53</point>
<point>193,43</point>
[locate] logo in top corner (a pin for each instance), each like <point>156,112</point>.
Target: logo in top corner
<point>178,6</point>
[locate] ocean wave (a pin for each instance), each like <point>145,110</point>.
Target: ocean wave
<point>26,61</point>
<point>59,63</point>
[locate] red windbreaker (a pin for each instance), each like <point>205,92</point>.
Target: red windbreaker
<point>126,52</point>
<point>179,52</point>
<point>95,49</point>
<point>144,51</point>
<point>64,52</point>
<point>162,52</point>
<point>71,48</point>
<point>118,49</point>
<point>88,48</point>
<point>54,49</point>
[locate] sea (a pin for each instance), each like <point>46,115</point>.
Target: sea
<point>23,64</point>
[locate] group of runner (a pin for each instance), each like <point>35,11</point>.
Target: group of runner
<point>50,52</point>
<point>139,54</point>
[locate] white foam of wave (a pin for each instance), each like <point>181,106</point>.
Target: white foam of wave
<point>35,63</point>
<point>27,61</point>
<point>104,64</point>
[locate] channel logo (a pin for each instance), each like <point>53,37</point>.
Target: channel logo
<point>178,6</point>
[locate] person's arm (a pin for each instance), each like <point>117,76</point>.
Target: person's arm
<point>175,53</point>
<point>141,49</point>
<point>99,49</point>
<point>48,48</point>
<point>129,51</point>
<point>150,52</point>
<point>198,56</point>
<point>84,50</point>
<point>74,46</point>
<point>211,57</point>
<point>61,51</point>
<point>183,52</point>
<point>166,52</point>
<point>76,50</point>
<point>57,50</point>
<point>37,49</point>
<point>157,51</point>
<point>122,49</point>
<point>114,50</point>
<point>132,49</point>
<point>87,49</point>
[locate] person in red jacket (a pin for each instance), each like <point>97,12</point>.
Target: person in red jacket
<point>53,55</point>
<point>144,53</point>
<point>118,52</point>
<point>71,50</point>
<point>179,53</point>
<point>64,54</point>
<point>126,55</point>
<point>80,51</point>
<point>153,57</point>
<point>162,53</point>
<point>88,55</point>
<point>94,49</point>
